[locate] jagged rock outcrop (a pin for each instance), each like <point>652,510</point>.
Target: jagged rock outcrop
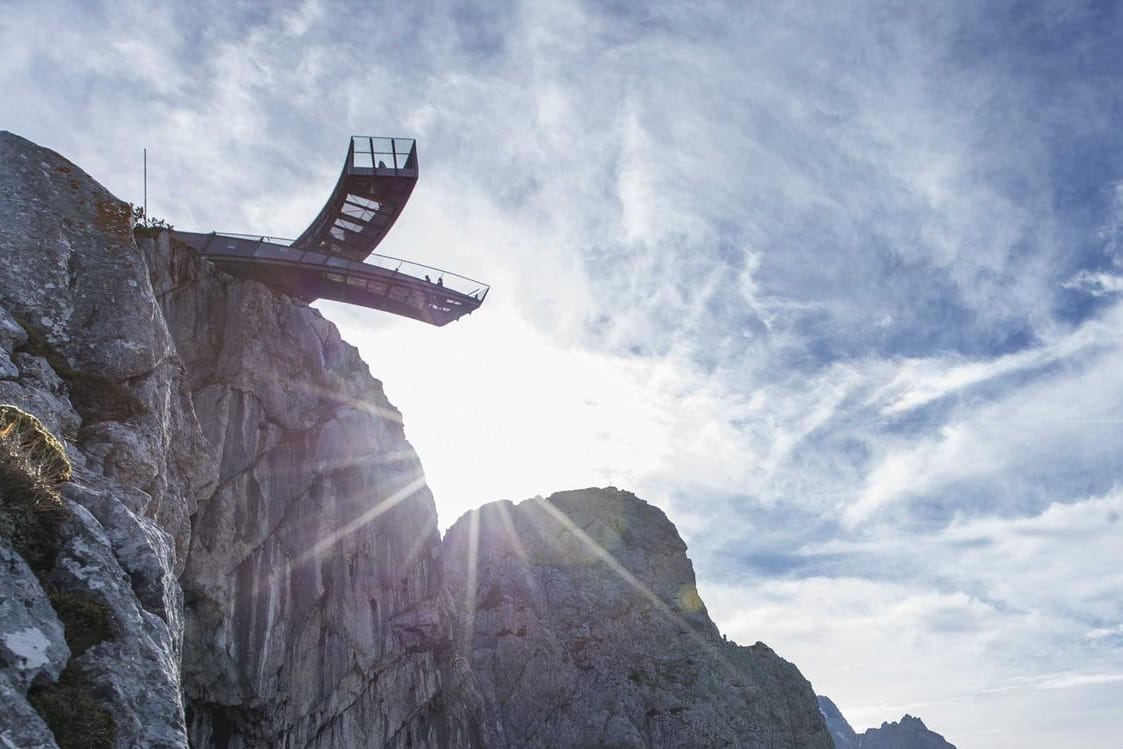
<point>85,350</point>
<point>225,435</point>
<point>582,624</point>
<point>909,733</point>
<point>315,611</point>
<point>246,553</point>
<point>840,730</point>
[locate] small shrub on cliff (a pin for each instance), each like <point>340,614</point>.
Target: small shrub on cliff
<point>32,461</point>
<point>87,621</point>
<point>74,717</point>
<point>27,435</point>
<point>148,226</point>
<point>33,517</point>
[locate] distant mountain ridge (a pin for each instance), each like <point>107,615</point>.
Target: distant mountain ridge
<point>909,733</point>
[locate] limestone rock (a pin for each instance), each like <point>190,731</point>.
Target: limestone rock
<point>93,362</point>
<point>226,436</point>
<point>32,646</point>
<point>841,732</point>
<point>315,611</point>
<point>909,733</point>
<point>135,667</point>
<point>20,725</point>
<point>252,530</point>
<point>74,279</point>
<point>580,619</point>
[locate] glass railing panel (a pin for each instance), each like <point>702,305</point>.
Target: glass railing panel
<point>403,149</point>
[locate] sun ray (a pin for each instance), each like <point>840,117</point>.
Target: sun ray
<point>382,507</point>
<point>660,605</point>
<point>470,587</point>
<point>424,533</point>
<point>517,544</point>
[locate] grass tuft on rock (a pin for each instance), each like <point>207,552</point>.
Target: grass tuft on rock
<point>86,620</point>
<point>33,517</point>
<point>70,710</point>
<point>27,435</point>
<point>32,461</point>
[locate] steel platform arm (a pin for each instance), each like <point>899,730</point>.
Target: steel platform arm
<point>332,258</point>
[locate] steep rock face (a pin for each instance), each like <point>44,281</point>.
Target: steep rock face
<point>581,622</point>
<point>228,437</point>
<point>315,611</point>
<point>909,733</point>
<point>841,732</point>
<point>85,349</point>
<point>253,533</point>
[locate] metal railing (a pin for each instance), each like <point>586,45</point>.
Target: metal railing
<point>418,271</point>
<point>371,152</point>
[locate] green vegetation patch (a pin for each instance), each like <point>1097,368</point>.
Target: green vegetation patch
<point>32,461</point>
<point>87,620</point>
<point>28,437</point>
<point>148,226</point>
<point>34,517</point>
<point>73,714</point>
<point>95,396</point>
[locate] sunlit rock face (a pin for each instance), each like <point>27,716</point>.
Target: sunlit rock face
<point>254,530</point>
<point>226,437</point>
<point>581,622</point>
<point>909,733</point>
<point>314,607</point>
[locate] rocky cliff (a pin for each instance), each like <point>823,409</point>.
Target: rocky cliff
<point>246,553</point>
<point>908,733</point>
<point>580,619</point>
<point>241,486</point>
<point>843,735</point>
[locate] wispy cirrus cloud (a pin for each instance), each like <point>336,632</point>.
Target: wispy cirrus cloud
<point>835,283</point>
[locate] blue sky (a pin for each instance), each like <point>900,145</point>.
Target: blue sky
<point>837,284</point>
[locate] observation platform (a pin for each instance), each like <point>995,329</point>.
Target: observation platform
<point>333,258</point>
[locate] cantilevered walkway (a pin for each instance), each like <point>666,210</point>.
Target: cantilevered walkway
<point>332,258</point>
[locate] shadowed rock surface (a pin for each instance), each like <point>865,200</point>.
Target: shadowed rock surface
<point>581,621</point>
<point>226,436</point>
<point>250,539</point>
<point>841,732</point>
<point>909,733</point>
<point>86,350</point>
<point>316,563</point>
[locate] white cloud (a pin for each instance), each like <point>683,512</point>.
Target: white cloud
<point>941,624</point>
<point>801,258</point>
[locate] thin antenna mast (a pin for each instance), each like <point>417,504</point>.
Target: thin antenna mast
<point>144,216</point>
